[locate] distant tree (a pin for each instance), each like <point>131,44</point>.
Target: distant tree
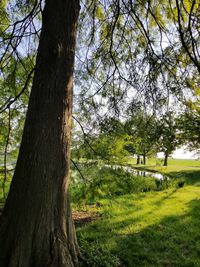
<point>108,142</point>
<point>168,135</point>
<point>144,135</point>
<point>189,127</point>
<point>112,140</point>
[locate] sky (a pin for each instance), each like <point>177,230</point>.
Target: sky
<point>181,153</point>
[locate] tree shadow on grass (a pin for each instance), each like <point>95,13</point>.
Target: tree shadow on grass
<point>174,241</point>
<point>190,177</point>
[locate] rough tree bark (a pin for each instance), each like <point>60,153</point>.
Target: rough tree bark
<point>34,228</point>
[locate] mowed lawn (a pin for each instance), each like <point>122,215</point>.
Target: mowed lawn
<point>159,228</point>
<point>173,164</point>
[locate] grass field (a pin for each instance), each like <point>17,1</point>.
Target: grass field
<point>148,229</point>
<point>173,164</point>
<point>152,229</point>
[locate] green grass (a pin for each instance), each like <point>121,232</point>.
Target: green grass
<point>173,164</point>
<point>148,229</point>
<point>189,170</point>
<point>185,162</point>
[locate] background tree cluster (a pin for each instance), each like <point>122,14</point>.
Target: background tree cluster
<point>141,135</point>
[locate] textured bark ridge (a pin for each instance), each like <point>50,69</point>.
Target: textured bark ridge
<point>36,228</point>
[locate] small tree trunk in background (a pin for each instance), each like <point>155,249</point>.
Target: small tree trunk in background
<point>144,159</point>
<point>36,228</point>
<point>166,160</point>
<point>138,159</point>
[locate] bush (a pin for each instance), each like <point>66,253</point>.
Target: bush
<point>103,182</point>
<point>180,183</point>
<point>163,183</point>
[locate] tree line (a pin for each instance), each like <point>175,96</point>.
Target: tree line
<point>141,135</point>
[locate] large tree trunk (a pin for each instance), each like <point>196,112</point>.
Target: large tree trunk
<point>36,227</point>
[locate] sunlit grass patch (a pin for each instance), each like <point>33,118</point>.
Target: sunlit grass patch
<point>173,164</point>
<point>149,229</point>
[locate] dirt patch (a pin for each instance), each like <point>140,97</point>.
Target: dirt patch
<point>79,217</point>
<point>83,217</point>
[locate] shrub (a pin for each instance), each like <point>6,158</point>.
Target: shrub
<point>103,182</point>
